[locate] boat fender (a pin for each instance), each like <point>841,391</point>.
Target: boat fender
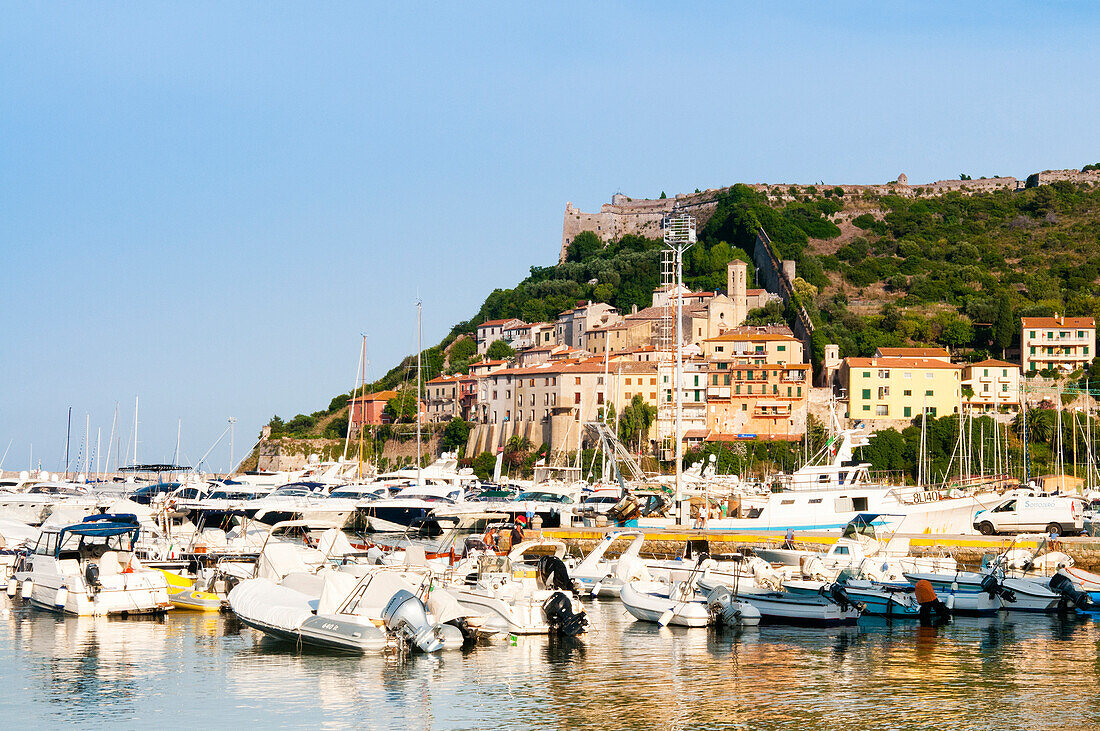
<point>561,618</point>
<point>61,597</point>
<point>13,587</point>
<point>28,587</point>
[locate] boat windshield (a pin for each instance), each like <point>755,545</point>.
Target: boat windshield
<point>289,491</point>
<point>425,498</point>
<point>353,494</point>
<point>545,497</point>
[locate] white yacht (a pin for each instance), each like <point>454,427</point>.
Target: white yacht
<point>394,515</point>
<point>43,498</point>
<point>90,568</point>
<point>827,493</point>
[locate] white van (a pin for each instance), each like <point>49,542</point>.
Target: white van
<point>1056,515</point>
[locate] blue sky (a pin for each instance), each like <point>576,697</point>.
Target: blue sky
<point>204,204</point>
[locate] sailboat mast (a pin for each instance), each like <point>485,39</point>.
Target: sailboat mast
<point>354,393</point>
<point>179,431</point>
<point>98,462</point>
<point>135,429</point>
<point>68,434</point>
<point>419,348</point>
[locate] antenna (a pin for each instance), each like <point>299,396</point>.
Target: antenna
<point>232,421</point>
<point>679,237</point>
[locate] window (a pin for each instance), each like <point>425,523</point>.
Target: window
<point>932,411</point>
<point>1004,388</point>
<point>866,374</point>
<point>781,348</point>
<point>882,410</point>
<point>1080,333</point>
<point>714,380</point>
<point>789,389</point>
<point>929,375</point>
<point>576,398</point>
<point>908,411</point>
<point>866,407</point>
<point>726,380</point>
<point>883,391</point>
<point>866,393</point>
<point>737,389</point>
<point>884,374</point>
<point>576,380</point>
<point>1033,350</point>
<point>744,407</point>
<point>907,392</point>
<point>1031,334</point>
<point>985,371</point>
<point>750,389</point>
<point>719,349</point>
<point>907,374</point>
<point>800,391</point>
<point>652,382</point>
<point>652,395</point>
<point>1086,350</point>
<point>928,392</point>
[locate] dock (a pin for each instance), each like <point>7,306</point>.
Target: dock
<point>968,550</point>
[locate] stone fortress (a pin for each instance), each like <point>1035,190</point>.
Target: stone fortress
<point>642,216</point>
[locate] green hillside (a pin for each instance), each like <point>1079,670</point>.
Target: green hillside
<point>956,270</point>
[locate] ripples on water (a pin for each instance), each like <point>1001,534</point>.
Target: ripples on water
<point>1010,671</point>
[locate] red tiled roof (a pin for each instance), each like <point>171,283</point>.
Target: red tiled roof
<point>1057,322</point>
<point>900,363</point>
<point>914,352</point>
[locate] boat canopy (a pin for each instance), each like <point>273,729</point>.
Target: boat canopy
<point>106,526</point>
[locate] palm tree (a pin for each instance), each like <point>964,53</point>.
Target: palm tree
<point>516,450</point>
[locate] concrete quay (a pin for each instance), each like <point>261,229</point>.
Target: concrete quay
<point>966,549</point>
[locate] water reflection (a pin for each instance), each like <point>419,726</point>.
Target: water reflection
<point>996,672</point>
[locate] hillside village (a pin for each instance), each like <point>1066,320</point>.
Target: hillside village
<point>760,363</point>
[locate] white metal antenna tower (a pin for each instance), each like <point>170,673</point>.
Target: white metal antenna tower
<point>679,237</point>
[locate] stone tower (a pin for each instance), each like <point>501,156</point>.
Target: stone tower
<point>737,282</point>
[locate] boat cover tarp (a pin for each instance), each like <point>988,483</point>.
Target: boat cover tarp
<point>263,601</point>
<point>279,559</point>
<point>334,543</point>
<point>336,588</point>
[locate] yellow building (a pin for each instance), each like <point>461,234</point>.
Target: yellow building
<point>754,347</point>
<point>996,386</point>
<point>897,388</point>
<point>1058,343</point>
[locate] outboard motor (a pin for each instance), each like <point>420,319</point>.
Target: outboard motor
<point>405,615</point>
<point>560,615</point>
<point>721,604</point>
<point>91,575</point>
<point>991,586</point>
<point>837,595</point>
<point>553,574</point>
<point>1062,584</point>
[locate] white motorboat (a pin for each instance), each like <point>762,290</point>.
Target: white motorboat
<point>41,499</point>
<point>598,575</point>
<point>830,490</point>
<point>512,597</point>
<point>90,569</point>
<point>306,501</point>
<point>394,515</point>
<point>346,613</point>
<point>681,605</point>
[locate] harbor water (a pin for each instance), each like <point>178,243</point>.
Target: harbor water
<point>190,670</point>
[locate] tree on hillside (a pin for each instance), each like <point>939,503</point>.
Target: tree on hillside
<point>500,350</point>
<point>402,407</point>
<point>516,450</point>
<point>1004,327</point>
<point>635,420</point>
<point>483,465</point>
<point>455,435</point>
<point>584,245</point>
<point>337,428</point>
